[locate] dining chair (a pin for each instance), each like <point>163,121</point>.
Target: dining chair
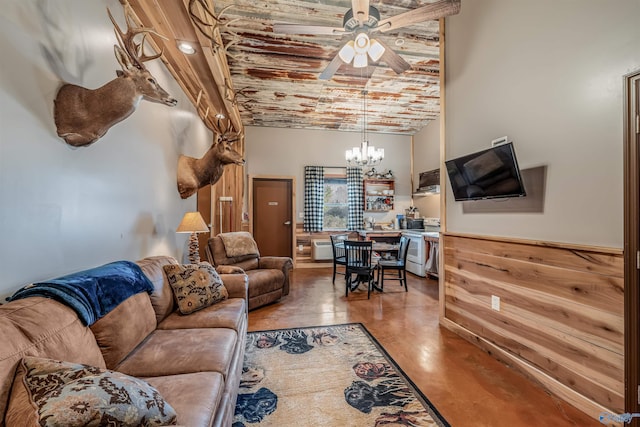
<point>339,256</point>
<point>397,265</point>
<point>358,257</point>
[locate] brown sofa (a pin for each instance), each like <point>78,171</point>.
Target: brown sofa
<point>194,361</point>
<point>268,275</point>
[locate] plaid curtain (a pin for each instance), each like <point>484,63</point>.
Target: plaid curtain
<point>313,198</point>
<point>356,198</point>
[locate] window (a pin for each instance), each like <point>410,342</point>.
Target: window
<point>336,203</point>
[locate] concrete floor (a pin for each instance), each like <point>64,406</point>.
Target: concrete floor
<point>468,386</point>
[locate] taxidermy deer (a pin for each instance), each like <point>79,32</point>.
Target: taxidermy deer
<point>196,173</point>
<point>83,115</point>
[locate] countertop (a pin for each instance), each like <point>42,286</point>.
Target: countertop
<point>429,232</point>
<point>365,232</point>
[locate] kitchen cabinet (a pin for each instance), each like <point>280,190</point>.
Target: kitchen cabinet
<point>378,195</point>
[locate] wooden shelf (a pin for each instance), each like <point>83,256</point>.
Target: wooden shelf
<point>374,199</point>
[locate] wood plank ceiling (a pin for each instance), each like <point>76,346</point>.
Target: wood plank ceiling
<point>274,77</point>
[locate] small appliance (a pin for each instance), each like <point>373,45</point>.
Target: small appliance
<point>415,223</point>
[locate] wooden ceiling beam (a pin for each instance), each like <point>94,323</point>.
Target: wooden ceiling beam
<point>194,73</point>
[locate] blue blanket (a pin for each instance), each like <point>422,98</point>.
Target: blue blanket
<point>92,293</point>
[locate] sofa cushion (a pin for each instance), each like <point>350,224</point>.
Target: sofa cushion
<point>195,397</point>
<point>72,394</point>
<point>182,351</point>
<point>195,286</point>
<point>124,328</point>
<point>264,281</point>
<point>162,295</point>
<point>230,314</point>
<point>41,327</point>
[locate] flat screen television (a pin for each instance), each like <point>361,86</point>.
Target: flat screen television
<point>487,174</point>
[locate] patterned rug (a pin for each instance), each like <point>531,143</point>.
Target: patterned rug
<point>327,376</point>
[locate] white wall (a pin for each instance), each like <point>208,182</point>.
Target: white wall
<point>548,74</point>
<point>272,151</point>
<point>426,157</point>
<point>65,209</point>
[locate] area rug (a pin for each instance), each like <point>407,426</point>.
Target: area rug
<point>327,376</point>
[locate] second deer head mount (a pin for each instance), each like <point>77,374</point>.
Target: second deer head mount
<point>194,174</point>
<point>83,115</point>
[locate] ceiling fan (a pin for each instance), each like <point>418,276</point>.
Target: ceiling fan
<point>363,20</point>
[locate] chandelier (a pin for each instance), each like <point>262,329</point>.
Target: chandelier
<point>365,155</point>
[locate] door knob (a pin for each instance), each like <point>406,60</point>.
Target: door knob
<point>287,223</point>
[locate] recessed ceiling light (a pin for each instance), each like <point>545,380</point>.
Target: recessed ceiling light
<point>185,47</point>
<point>399,42</point>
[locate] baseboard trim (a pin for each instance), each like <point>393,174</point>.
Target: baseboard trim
<point>314,265</point>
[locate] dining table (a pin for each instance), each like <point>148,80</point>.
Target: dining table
<point>385,250</point>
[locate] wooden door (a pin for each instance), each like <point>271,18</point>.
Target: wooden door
<point>272,216</point>
<point>632,244</point>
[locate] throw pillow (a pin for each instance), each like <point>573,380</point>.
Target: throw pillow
<point>195,286</point>
<point>69,394</point>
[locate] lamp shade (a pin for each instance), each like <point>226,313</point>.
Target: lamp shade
<point>192,222</point>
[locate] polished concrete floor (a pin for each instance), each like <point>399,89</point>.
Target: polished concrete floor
<point>469,387</point>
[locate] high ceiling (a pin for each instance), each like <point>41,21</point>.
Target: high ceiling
<point>274,77</point>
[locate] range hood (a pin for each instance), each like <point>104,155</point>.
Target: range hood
<point>425,191</point>
<point>429,183</point>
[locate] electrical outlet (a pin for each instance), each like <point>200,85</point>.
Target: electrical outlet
<point>300,248</point>
<point>301,215</point>
<point>495,303</point>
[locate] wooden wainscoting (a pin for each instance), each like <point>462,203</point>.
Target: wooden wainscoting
<point>561,318</point>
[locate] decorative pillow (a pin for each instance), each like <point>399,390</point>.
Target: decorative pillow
<point>195,286</point>
<point>229,269</point>
<point>69,394</point>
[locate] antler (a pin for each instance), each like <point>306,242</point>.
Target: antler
<point>221,126</point>
<point>207,29</point>
<point>126,39</point>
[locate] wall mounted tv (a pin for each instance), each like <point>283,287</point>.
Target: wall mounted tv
<point>487,174</point>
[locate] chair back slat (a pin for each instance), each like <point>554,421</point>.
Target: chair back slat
<point>403,250</point>
<point>338,251</point>
<point>358,253</point>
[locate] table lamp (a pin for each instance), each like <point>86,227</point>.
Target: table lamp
<point>193,223</point>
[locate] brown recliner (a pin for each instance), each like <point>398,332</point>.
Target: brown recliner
<point>268,275</point>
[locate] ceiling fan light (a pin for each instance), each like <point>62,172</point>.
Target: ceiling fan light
<point>347,52</point>
<point>186,47</point>
<point>361,44</point>
<point>376,50</point>
<point>360,60</point>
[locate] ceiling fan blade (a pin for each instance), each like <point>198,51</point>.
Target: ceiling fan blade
<point>331,69</point>
<point>427,12</point>
<point>393,60</point>
<point>360,10</point>
<point>306,29</point>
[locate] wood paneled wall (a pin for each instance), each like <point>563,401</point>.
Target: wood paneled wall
<point>561,317</point>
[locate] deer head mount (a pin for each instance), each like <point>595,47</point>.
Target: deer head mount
<point>83,115</point>
<point>194,174</point>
